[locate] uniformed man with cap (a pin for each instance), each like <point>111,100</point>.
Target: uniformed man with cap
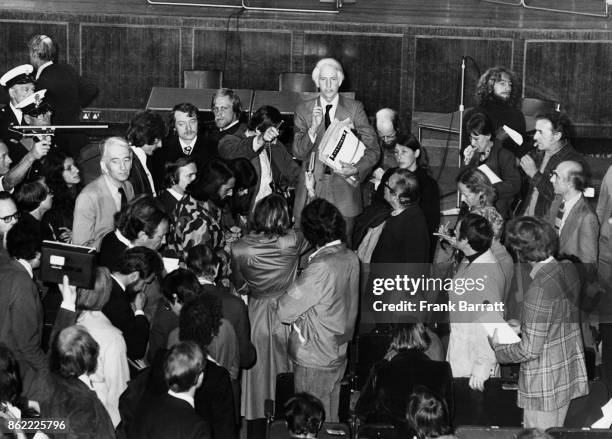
<point>23,153</point>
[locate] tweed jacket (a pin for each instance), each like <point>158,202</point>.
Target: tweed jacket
<point>21,324</point>
<point>580,233</point>
<point>94,212</point>
<point>551,354</point>
<point>333,188</point>
<point>604,213</point>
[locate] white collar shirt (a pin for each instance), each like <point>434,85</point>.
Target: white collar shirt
<point>41,68</point>
<point>142,156</point>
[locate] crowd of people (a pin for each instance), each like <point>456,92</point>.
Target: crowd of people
<point>225,258</point>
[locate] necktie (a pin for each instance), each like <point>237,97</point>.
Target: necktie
<point>123,198</point>
<point>187,150</point>
<point>559,217</point>
<point>328,108</point>
<point>327,119</point>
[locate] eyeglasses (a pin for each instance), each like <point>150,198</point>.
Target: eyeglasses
<point>388,187</point>
<point>553,173</point>
<point>7,219</point>
<point>218,110</point>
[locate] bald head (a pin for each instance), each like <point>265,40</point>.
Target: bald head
<point>568,179</point>
<point>386,127</point>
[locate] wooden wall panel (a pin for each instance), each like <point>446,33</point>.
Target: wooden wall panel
<point>14,36</point>
<point>248,59</point>
<point>438,69</point>
<point>127,61</point>
<point>573,73</point>
<point>372,65</point>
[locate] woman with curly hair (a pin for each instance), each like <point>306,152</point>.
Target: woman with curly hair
<point>63,179</point>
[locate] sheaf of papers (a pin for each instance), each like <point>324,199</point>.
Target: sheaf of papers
<point>606,420</point>
<point>514,135</point>
<point>492,176</point>
<point>339,144</point>
<point>170,264</point>
<point>505,333</point>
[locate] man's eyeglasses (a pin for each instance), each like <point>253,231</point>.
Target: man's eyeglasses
<point>7,219</point>
<point>217,110</point>
<point>389,187</point>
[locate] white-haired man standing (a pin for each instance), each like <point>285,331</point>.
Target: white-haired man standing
<point>311,120</point>
<point>96,205</point>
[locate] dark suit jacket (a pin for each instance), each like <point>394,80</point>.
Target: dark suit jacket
<point>541,180</point>
<point>171,151</point>
<point>21,324</point>
<point>72,400</point>
<point>110,251</point>
<point>139,179</point>
<point>67,92</point>
<point>214,400</point>
<point>135,328</point>
<point>167,202</point>
<point>235,311</point>
<point>168,417</point>
<point>391,383</point>
<point>284,170</point>
<point>332,187</point>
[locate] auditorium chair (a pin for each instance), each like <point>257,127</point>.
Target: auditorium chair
<point>375,431</point>
<point>329,430</point>
<point>478,432</point>
<point>202,79</point>
<point>579,433</point>
<point>297,82</point>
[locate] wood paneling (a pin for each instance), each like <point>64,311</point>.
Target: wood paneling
<point>247,59</point>
<point>437,66</point>
<point>126,62</point>
<point>372,65</point>
<point>15,35</point>
<point>574,73</point>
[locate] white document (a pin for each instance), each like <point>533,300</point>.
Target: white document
<point>170,264</point>
<point>339,144</point>
<point>492,176</point>
<point>514,135</point>
<point>606,420</point>
<point>505,333</point>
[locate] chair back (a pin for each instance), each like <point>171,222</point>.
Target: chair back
<point>202,79</point>
<point>299,82</point>
<point>479,432</point>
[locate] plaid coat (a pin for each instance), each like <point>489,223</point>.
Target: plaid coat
<point>553,370</point>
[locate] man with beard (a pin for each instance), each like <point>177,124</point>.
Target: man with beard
<point>498,95</point>
<point>125,307</point>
